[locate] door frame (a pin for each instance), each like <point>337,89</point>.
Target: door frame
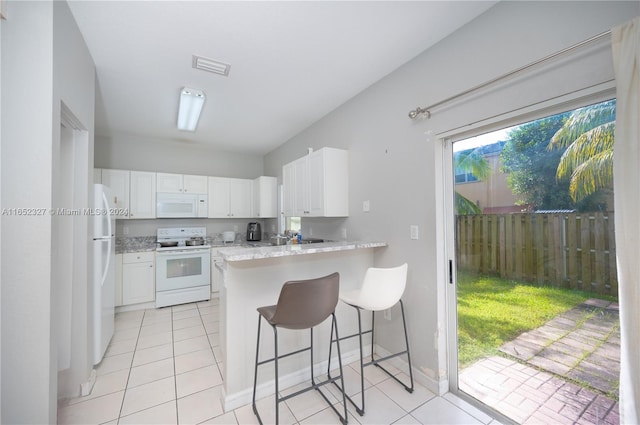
<point>447,238</point>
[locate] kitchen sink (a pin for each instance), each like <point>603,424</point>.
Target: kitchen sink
<point>313,240</point>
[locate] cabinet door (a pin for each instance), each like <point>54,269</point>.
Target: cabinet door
<point>118,280</point>
<point>240,198</point>
<point>142,195</point>
<point>218,197</point>
<point>138,283</point>
<point>169,183</point>
<point>315,179</point>
<point>265,197</point>
<point>288,188</point>
<point>194,184</point>
<point>335,183</point>
<point>118,181</point>
<point>300,188</point>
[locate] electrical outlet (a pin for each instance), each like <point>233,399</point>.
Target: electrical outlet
<point>366,206</point>
<point>273,228</point>
<point>125,230</point>
<point>413,229</point>
<point>235,228</point>
<point>344,233</point>
<point>310,231</point>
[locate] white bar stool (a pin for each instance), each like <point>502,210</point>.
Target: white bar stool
<point>381,289</point>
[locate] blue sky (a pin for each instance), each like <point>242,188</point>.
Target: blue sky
<point>481,140</point>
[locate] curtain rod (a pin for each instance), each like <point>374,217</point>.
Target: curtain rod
<point>427,111</point>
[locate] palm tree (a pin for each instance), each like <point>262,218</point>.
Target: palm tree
<point>588,160</point>
<point>470,161</point>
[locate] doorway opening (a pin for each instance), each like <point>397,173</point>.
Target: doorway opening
<point>536,288</point>
<point>69,246</point>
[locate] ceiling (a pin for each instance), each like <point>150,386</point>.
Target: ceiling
<point>291,62</point>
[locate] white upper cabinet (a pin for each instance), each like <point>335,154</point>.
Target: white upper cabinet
<point>181,183</point>
<point>265,197</point>
<point>118,182</point>
<point>317,185</point>
<point>229,198</point>
<point>169,183</point>
<point>194,184</point>
<point>142,195</point>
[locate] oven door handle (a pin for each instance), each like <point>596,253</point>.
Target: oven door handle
<point>190,252</point>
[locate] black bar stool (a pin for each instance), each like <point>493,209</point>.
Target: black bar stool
<point>381,289</point>
<point>302,304</point>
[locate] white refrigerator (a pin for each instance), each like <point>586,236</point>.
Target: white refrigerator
<point>104,269</point>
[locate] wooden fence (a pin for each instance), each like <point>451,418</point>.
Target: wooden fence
<point>565,250</point>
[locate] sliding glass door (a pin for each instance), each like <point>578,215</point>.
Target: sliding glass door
<point>534,287</point>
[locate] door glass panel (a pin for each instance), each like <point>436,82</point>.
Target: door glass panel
<point>183,267</point>
<point>538,336</point>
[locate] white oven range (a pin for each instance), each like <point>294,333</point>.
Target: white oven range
<point>183,266</point>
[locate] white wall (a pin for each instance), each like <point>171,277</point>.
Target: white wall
<point>44,62</point>
<point>27,113</point>
<point>395,163</point>
<point>74,85</point>
<point>142,154</point>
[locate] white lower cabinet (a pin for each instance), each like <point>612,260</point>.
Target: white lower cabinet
<point>138,277</point>
<point>215,276</point>
<point>118,280</point>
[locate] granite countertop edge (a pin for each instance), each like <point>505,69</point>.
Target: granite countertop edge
<point>233,254</point>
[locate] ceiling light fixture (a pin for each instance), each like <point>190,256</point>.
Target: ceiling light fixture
<point>191,103</point>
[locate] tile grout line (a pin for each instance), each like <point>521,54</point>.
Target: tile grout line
<point>175,380</point>
<point>126,386</point>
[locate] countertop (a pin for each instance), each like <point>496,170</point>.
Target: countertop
<point>245,253</point>
<point>248,250</point>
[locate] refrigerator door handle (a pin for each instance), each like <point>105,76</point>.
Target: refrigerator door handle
<point>105,202</point>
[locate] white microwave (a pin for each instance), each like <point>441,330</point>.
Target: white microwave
<point>181,205</point>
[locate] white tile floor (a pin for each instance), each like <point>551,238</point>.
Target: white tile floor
<point>162,367</point>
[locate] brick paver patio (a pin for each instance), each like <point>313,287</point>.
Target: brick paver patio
<point>533,384</point>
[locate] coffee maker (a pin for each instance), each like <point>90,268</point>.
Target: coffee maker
<point>254,232</point>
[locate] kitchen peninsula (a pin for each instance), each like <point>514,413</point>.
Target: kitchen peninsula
<point>251,278</point>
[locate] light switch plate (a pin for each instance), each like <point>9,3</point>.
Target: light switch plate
<point>414,231</point>
<point>366,206</point>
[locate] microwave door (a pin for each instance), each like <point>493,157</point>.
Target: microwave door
<point>175,208</point>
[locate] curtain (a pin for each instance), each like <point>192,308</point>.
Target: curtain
<point>626,171</point>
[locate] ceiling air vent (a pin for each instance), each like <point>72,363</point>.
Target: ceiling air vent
<point>210,65</point>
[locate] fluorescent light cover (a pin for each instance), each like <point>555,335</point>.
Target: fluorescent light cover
<point>191,103</point>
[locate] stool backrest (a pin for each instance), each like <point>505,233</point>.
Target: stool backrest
<point>304,304</point>
<point>382,287</point>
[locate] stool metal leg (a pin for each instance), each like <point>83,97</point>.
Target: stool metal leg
<point>360,410</point>
<point>406,351</point>
<point>275,358</point>
<point>345,418</point>
<point>255,374</point>
<point>373,361</point>
<point>314,385</point>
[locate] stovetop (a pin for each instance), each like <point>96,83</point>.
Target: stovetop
<point>181,235</point>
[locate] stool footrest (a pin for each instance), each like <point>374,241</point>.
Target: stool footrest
<point>302,350</point>
<point>381,359</point>
<point>353,336</point>
<point>409,389</point>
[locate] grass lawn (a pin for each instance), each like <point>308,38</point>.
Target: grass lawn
<point>492,311</point>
